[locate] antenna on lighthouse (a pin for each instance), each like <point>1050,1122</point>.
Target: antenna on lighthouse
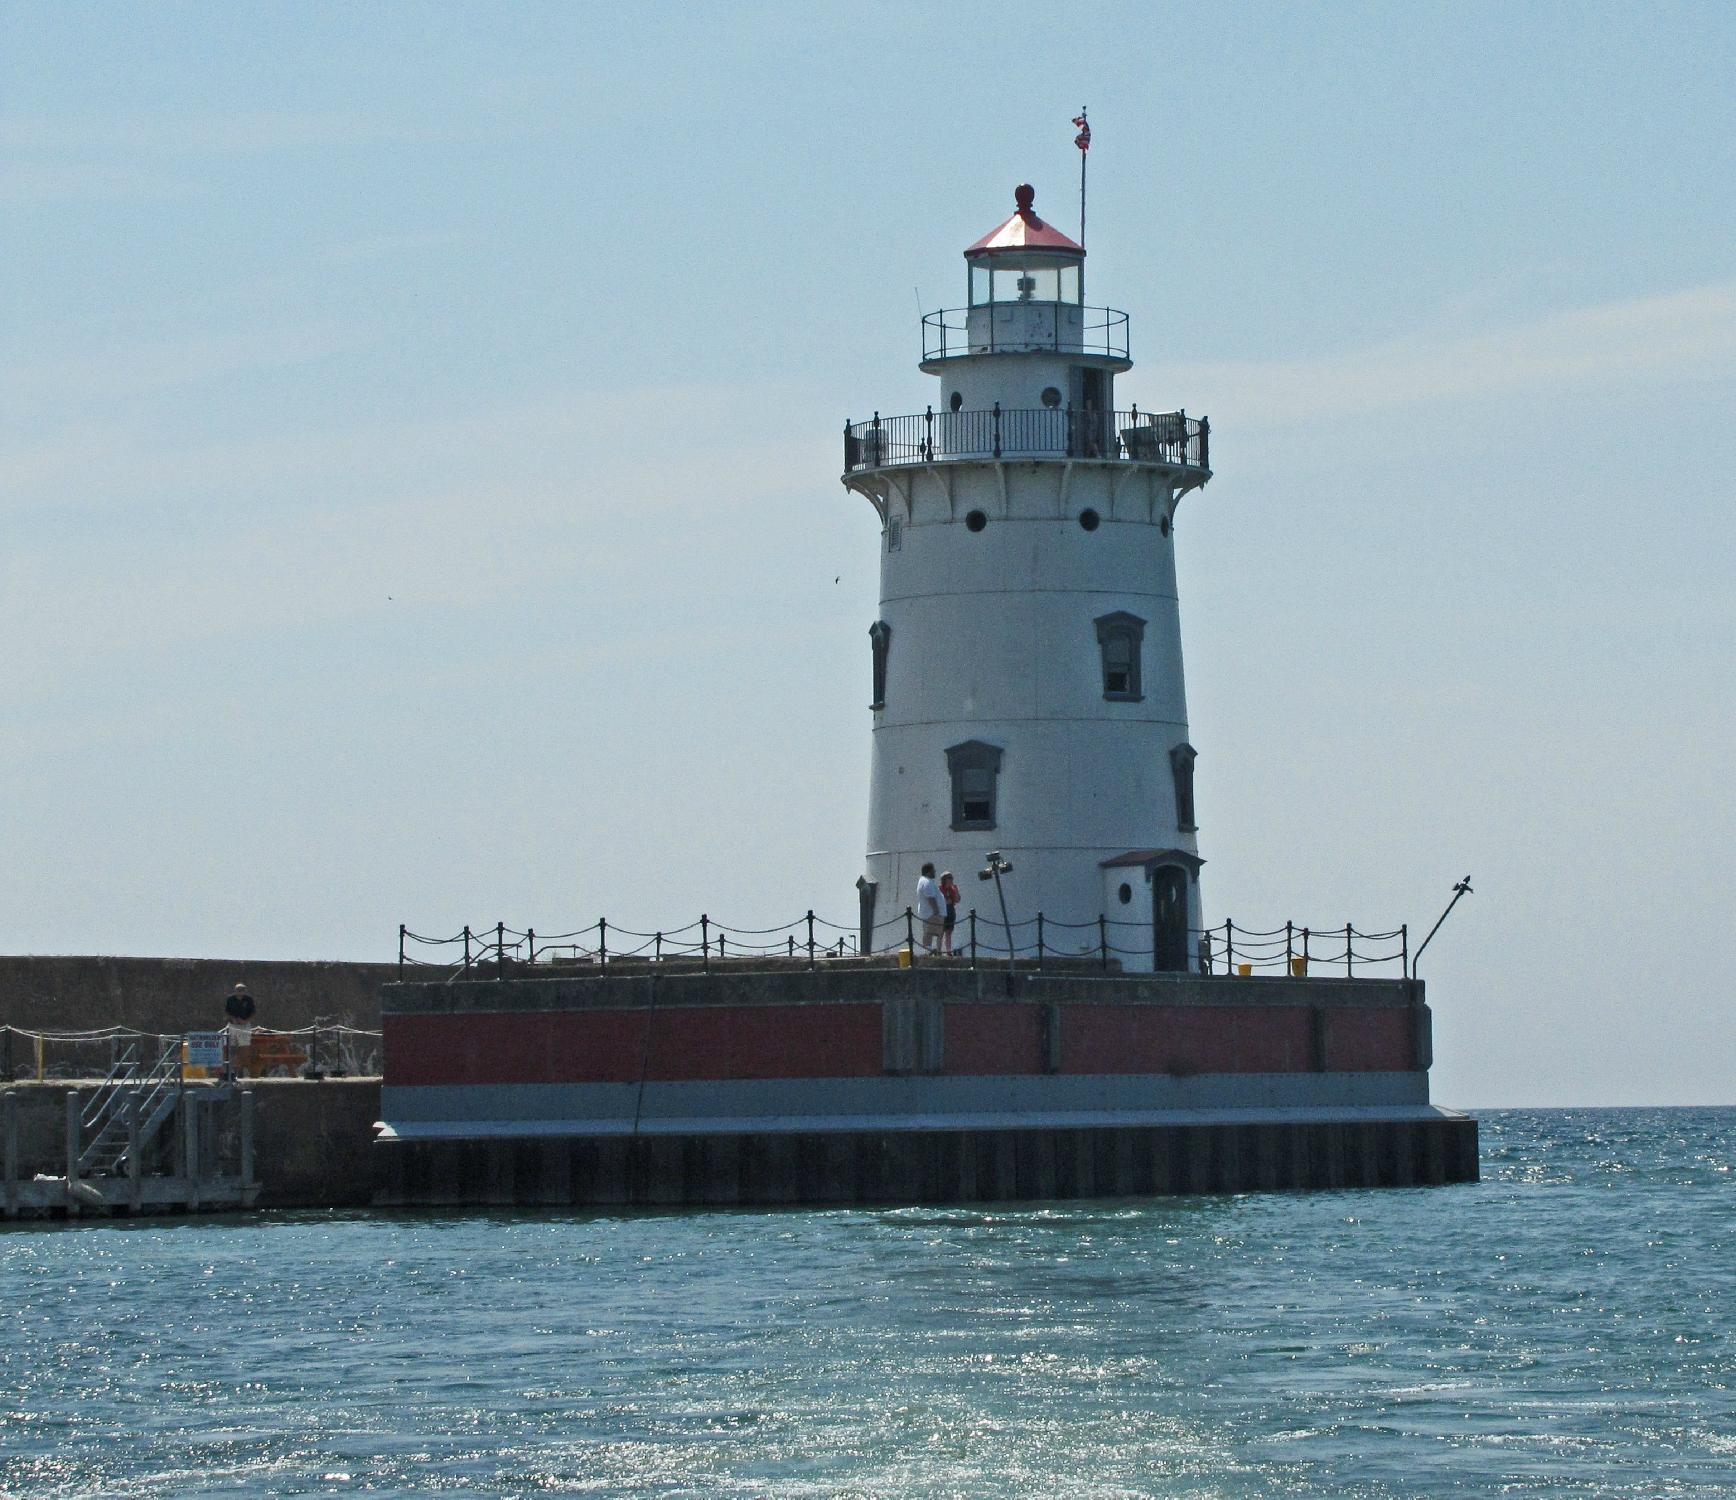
<point>1083,142</point>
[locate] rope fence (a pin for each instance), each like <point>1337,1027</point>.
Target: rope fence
<point>1293,950</point>
<point>317,1051</point>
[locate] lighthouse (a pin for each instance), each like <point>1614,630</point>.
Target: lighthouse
<point>1027,687</point>
<point>1030,723</point>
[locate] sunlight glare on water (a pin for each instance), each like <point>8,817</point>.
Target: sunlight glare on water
<point>1562,1328</point>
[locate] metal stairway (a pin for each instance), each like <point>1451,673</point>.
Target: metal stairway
<point>129,1108</point>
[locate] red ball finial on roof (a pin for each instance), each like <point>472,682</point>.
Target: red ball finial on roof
<point>1024,195</point>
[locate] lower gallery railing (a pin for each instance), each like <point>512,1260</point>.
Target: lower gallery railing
<point>1292,949</point>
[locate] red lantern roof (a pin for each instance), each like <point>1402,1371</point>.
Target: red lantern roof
<point>1025,231</point>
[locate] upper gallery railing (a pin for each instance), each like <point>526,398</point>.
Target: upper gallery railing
<point>1169,437</point>
<point>1036,326</point>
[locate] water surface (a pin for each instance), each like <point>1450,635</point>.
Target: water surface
<point>1563,1328</point>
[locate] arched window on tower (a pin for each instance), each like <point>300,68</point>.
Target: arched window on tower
<point>1181,765</point>
<point>880,638</point>
<point>1120,636</point>
<point>975,769</point>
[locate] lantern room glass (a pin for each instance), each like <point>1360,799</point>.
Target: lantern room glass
<point>1024,279</point>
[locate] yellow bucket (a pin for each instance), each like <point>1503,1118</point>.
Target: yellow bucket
<point>904,958</point>
<point>1298,967</point>
<point>1245,970</point>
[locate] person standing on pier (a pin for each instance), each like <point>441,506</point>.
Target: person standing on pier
<point>950,894</point>
<point>239,1008</point>
<point>930,908</point>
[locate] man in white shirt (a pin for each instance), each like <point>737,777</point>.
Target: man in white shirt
<point>930,909</point>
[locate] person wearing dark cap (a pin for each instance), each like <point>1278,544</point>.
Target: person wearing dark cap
<point>239,1008</point>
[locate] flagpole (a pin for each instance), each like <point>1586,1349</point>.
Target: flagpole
<point>1083,155</point>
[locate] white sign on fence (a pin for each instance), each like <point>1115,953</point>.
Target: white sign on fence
<point>204,1049</point>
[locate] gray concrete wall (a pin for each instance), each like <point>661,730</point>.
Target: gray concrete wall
<point>83,993</point>
<point>853,980</point>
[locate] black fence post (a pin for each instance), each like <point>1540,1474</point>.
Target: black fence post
<point>1229,946</point>
<point>1289,951</point>
<point>1348,956</point>
<point>1304,950</point>
<point>1103,940</point>
<point>721,954</point>
<point>997,429</point>
<point>1404,949</point>
<point>928,434</point>
<point>602,943</point>
<point>500,951</point>
<point>467,945</point>
<point>530,942</point>
<point>973,937</point>
<point>792,945</point>
<point>659,948</point>
<point>810,937</point>
<point>1039,940</point>
<point>910,932</point>
<point>401,931</point>
<point>704,941</point>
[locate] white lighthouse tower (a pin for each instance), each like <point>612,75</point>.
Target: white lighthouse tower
<point>1027,665</point>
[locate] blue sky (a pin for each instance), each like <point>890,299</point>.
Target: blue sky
<point>418,486</point>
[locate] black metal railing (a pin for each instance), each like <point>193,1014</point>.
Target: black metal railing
<point>1293,950</point>
<point>1171,437</point>
<point>1033,327</point>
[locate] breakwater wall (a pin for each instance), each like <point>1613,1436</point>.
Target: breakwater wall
<point>858,1082</point>
<point>311,1141</point>
<point>168,995</point>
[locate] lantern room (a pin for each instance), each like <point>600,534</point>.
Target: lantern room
<point>1026,260</point>
<point>1027,296</point>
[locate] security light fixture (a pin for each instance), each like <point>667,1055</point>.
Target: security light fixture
<point>996,868</point>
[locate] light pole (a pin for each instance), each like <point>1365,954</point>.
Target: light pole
<point>1463,888</point>
<point>996,868</point>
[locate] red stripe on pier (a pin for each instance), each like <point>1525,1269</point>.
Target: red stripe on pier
<point>994,1039</point>
<point>1370,1041</point>
<point>1184,1039</point>
<point>610,1046</point>
<point>845,1041</point>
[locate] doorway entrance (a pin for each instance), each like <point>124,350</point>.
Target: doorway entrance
<point>1169,919</point>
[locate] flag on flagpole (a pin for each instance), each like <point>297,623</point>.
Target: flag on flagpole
<point>1083,139</point>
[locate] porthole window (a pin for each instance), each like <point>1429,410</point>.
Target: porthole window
<point>956,400</point>
<point>1089,519</point>
<point>976,520</point>
<point>1125,894</point>
<point>1051,397</point>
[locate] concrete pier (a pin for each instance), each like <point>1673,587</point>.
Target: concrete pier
<point>310,1147</point>
<point>862,1083</point>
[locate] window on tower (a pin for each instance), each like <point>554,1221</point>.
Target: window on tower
<point>975,769</point>
<point>1181,765</point>
<point>1119,639</point>
<point>879,638</point>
